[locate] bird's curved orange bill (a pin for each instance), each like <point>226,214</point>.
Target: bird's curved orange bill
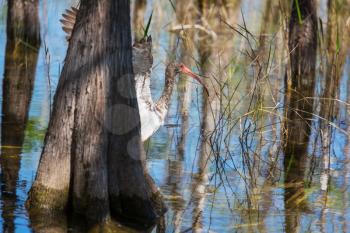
<point>189,72</point>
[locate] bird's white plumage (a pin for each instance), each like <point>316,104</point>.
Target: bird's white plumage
<point>151,116</point>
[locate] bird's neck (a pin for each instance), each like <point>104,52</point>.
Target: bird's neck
<point>164,100</point>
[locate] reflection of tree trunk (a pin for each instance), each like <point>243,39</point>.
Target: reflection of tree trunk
<point>23,21</point>
<point>268,26</point>
<point>23,41</point>
<point>298,111</point>
<point>212,55</point>
<point>269,21</point>
<point>185,15</point>
<point>334,66</point>
<point>185,102</point>
<point>93,138</point>
<point>201,179</point>
<point>174,182</point>
<point>199,194</point>
<point>184,99</point>
<point>210,116</point>
<point>335,59</point>
<point>55,223</point>
<point>139,17</point>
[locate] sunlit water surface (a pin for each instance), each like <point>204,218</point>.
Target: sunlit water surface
<point>212,201</point>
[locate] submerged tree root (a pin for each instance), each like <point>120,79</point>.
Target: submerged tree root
<point>43,198</point>
<point>133,211</point>
<point>137,212</point>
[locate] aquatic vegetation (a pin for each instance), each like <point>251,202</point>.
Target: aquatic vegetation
<point>265,150</point>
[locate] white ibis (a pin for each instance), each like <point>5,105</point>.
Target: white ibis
<point>152,114</point>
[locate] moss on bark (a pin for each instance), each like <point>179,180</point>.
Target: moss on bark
<point>42,198</point>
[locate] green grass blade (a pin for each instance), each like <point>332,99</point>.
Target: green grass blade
<point>148,25</point>
<point>298,11</point>
<point>338,41</point>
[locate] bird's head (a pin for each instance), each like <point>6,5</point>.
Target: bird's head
<point>181,68</point>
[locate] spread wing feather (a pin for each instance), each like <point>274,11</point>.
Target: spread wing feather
<point>68,21</point>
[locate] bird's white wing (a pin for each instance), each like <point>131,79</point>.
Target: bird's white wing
<point>143,88</point>
<point>150,118</point>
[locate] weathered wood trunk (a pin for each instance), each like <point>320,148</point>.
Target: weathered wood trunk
<point>23,41</point>
<point>298,107</point>
<point>92,161</point>
<point>302,41</point>
<point>303,45</point>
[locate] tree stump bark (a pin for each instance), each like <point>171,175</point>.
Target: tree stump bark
<point>92,161</point>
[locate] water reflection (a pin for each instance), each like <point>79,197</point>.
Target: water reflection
<point>186,14</point>
<point>256,155</point>
<point>22,50</point>
<point>298,111</point>
<point>75,224</point>
<point>329,104</point>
